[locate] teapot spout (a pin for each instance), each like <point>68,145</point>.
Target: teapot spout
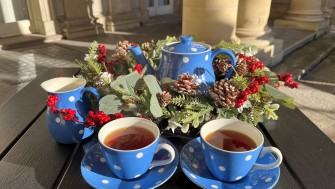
<point>140,58</point>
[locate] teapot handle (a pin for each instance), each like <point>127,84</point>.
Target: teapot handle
<point>92,91</point>
<point>231,56</point>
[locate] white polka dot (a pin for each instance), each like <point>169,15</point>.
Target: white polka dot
<point>81,131</point>
<point>117,167</point>
<point>191,149</point>
<point>57,120</point>
<point>206,57</point>
<point>136,176</point>
<point>171,48</point>
<point>102,160</point>
<point>214,186</point>
<point>137,186</point>
<point>105,181</point>
<point>203,146</point>
<point>193,176</point>
<point>248,157</point>
<point>88,167</point>
<point>186,59</point>
<point>165,58</point>
<point>160,170</point>
<point>212,157</point>
<point>71,98</point>
<point>139,155</point>
<point>268,179</point>
<point>238,178</point>
<point>221,168</point>
<point>194,49</point>
<point>248,187</point>
<point>195,166</point>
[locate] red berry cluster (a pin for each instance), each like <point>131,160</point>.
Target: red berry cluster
<point>68,114</point>
<point>96,119</point>
<point>102,54</point>
<point>138,68</point>
<point>118,115</point>
<point>287,78</point>
<point>52,101</point>
<point>133,44</point>
<point>253,63</point>
<point>251,89</point>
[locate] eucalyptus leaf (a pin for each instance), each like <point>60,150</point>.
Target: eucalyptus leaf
<point>155,108</point>
<point>152,84</point>
<point>110,104</point>
<point>280,96</point>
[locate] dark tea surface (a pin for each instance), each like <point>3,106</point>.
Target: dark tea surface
<point>130,138</point>
<point>231,141</point>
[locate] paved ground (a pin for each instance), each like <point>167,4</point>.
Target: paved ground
<point>315,96</point>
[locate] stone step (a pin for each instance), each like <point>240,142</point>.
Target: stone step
<point>305,58</point>
<point>26,41</point>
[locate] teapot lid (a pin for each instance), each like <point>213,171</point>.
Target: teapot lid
<point>185,46</point>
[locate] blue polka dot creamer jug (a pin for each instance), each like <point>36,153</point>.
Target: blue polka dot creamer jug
<point>68,105</point>
<point>189,57</point>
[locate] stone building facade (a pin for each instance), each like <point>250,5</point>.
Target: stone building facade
<point>242,21</point>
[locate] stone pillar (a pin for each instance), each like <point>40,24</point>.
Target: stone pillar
<point>332,19</point>
<point>120,16</point>
<point>211,20</point>
<point>40,17</point>
<point>7,11</point>
<point>252,29</point>
<point>79,20</point>
<point>144,13</point>
<point>304,15</point>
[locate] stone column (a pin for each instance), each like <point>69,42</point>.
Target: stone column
<point>332,19</point>
<point>79,20</point>
<point>252,29</point>
<point>144,13</point>
<point>40,17</point>
<point>120,16</point>
<point>304,15</point>
<point>211,20</point>
<point>7,11</point>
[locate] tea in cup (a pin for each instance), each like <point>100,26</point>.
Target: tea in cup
<point>129,145</point>
<point>231,148</point>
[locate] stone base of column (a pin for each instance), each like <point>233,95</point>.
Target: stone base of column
<point>271,54</point>
<point>121,22</point>
<point>46,27</point>
<point>80,27</point>
<point>319,27</point>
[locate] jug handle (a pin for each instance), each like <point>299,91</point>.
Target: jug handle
<point>232,57</point>
<point>93,91</point>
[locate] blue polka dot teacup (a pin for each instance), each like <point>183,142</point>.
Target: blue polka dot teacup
<point>234,164</point>
<point>127,153</point>
<point>71,94</point>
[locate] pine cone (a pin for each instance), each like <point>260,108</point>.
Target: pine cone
<point>186,85</point>
<point>241,66</point>
<point>222,66</point>
<point>120,52</point>
<point>164,98</point>
<point>224,93</point>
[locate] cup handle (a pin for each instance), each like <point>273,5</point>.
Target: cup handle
<point>231,56</point>
<point>92,90</point>
<point>167,147</point>
<point>271,165</point>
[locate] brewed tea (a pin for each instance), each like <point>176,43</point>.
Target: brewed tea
<point>130,138</point>
<point>231,140</point>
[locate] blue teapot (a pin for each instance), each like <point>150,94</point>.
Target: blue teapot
<point>186,56</point>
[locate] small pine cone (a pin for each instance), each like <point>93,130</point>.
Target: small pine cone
<point>241,66</point>
<point>164,98</point>
<point>129,101</point>
<point>120,52</point>
<point>224,93</point>
<point>186,84</point>
<point>222,66</point>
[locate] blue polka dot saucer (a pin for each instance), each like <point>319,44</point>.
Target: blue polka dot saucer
<point>194,166</point>
<point>97,174</point>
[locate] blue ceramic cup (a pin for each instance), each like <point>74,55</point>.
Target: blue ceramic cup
<point>131,164</point>
<point>230,166</point>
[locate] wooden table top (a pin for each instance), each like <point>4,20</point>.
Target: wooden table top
<point>30,158</point>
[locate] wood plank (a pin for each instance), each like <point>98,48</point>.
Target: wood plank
<point>18,113</point>
<point>36,157</point>
<point>308,152</point>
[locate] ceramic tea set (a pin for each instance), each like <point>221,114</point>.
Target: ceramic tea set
<point>150,166</point>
